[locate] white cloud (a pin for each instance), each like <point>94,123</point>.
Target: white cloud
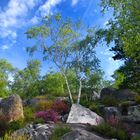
<point>13,16</point>
<point>46,8</point>
<point>74,2</point>
<point>5,47</point>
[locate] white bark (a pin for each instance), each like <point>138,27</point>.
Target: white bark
<point>79,93</point>
<point>69,92</point>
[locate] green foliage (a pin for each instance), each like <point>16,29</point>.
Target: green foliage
<point>109,101</point>
<point>135,138</point>
<point>44,105</point>
<point>110,132</point>
<point>9,137</point>
<point>54,83</point>
<point>124,31</point>
<point>29,114</point>
<point>15,125</point>
<point>137,99</point>
<point>26,81</point>
<point>6,69</point>
<point>95,107</point>
<point>59,131</point>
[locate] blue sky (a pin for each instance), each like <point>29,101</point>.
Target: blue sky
<point>16,16</point>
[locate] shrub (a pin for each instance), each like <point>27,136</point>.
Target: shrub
<point>114,121</point>
<point>29,114</point>
<point>59,131</point>
<point>136,138</point>
<point>48,115</point>
<point>60,107</point>
<point>109,101</point>
<point>15,125</point>
<point>137,99</point>
<point>9,137</point>
<point>44,105</point>
<point>94,107</point>
<point>125,104</point>
<point>108,131</point>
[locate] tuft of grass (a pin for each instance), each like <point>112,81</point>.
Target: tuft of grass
<point>107,130</point>
<point>59,131</point>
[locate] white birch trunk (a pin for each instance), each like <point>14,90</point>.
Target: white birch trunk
<point>69,92</point>
<point>79,94</point>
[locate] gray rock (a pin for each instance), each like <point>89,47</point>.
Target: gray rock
<point>111,111</point>
<point>81,135</point>
<point>107,92</point>
<point>95,96</point>
<point>80,114</point>
<point>11,108</point>
<point>123,94</point>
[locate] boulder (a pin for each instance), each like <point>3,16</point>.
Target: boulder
<point>122,94</point>
<point>95,96</point>
<point>125,94</point>
<point>11,108</point>
<point>107,92</point>
<point>35,131</point>
<point>81,135</point>
<point>80,114</point>
<point>111,111</point>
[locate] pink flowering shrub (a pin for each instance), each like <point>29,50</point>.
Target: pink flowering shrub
<point>48,115</point>
<point>114,121</point>
<point>60,107</point>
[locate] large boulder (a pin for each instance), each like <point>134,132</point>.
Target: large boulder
<point>11,108</point>
<point>122,94</point>
<point>80,114</point>
<point>125,94</point>
<point>107,92</point>
<point>81,135</point>
<point>35,131</point>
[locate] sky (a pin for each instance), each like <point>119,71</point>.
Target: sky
<point>17,16</point>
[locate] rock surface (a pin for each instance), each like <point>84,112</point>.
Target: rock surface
<point>123,94</point>
<point>111,111</point>
<point>81,135</point>
<point>11,108</point>
<point>80,114</point>
<point>35,131</point>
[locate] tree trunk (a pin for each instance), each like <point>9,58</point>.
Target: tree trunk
<point>79,94</point>
<point>69,92</point>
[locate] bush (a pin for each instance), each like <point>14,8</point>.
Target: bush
<point>60,107</point>
<point>59,131</point>
<point>137,99</point>
<point>125,104</point>
<point>108,131</point>
<point>9,137</point>
<point>136,138</point>
<point>44,105</point>
<point>29,114</point>
<point>94,107</point>
<point>15,125</point>
<point>48,115</point>
<point>109,101</point>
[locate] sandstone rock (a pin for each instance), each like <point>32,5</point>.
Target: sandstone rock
<point>11,108</point>
<point>81,135</point>
<point>80,114</point>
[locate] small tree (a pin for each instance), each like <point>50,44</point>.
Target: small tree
<point>84,60</point>
<point>61,42</point>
